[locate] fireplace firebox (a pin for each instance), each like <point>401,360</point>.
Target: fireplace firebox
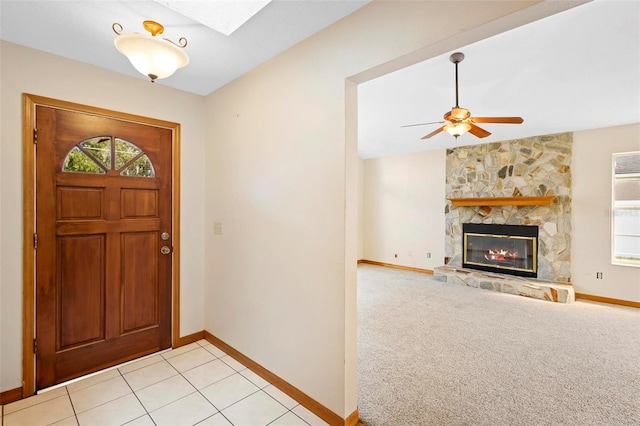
<point>506,249</point>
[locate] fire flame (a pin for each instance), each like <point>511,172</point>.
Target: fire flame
<point>501,255</point>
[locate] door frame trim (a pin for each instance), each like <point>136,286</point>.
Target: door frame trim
<point>29,102</point>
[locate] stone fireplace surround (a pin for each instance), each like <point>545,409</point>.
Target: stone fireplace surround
<point>533,167</point>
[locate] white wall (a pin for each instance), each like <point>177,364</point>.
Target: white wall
<point>591,209</point>
<point>26,70</point>
<point>404,202</point>
<point>279,288</point>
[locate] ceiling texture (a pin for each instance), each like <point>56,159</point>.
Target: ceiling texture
<point>578,69</point>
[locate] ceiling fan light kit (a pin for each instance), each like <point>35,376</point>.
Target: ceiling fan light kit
<point>457,129</point>
<point>459,121</point>
<point>152,56</point>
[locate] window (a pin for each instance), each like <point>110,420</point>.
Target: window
<point>626,209</point>
<point>94,156</point>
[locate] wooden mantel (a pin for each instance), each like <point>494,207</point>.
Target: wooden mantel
<point>503,201</point>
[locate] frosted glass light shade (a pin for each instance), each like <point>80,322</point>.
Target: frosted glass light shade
<point>150,55</point>
<point>457,129</point>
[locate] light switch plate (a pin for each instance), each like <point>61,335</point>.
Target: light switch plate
<point>217,228</point>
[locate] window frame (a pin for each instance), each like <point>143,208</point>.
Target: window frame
<point>617,209</point>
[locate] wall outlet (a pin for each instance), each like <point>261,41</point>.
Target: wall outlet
<point>598,275</point>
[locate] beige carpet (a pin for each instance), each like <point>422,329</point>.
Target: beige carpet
<point>432,353</point>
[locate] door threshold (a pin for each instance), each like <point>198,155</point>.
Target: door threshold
<point>77,379</point>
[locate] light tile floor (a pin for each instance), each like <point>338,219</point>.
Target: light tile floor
<point>195,384</point>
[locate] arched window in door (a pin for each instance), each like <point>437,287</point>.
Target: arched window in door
<point>100,154</point>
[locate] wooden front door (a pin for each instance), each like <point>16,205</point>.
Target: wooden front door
<point>103,256</point>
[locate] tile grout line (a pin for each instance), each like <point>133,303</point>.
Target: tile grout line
<point>187,380</point>
<point>219,411</point>
<point>75,415</point>
<point>136,395</point>
<point>128,385</point>
<point>154,383</point>
<point>28,406</point>
<point>289,410</point>
<point>217,358</point>
<point>239,372</point>
<point>103,403</point>
<point>205,398</point>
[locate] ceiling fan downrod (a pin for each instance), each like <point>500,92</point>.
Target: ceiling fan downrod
<point>456,58</point>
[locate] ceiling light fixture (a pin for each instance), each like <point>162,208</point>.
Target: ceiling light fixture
<point>153,56</point>
<point>457,129</point>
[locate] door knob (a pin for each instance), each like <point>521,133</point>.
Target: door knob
<point>165,250</point>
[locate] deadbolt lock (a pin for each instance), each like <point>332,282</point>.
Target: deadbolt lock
<point>165,236</point>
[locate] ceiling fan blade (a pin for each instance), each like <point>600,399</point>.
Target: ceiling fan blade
<point>422,124</point>
<point>506,120</point>
<point>435,132</point>
<point>477,131</point>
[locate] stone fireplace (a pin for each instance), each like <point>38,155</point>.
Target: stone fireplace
<point>500,175</point>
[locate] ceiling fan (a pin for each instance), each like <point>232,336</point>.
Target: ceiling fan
<point>459,121</point>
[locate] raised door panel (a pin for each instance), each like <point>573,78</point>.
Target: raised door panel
<point>80,290</point>
<point>138,203</point>
<point>80,203</point>
<point>139,280</point>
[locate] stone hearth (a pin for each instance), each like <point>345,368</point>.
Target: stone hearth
<point>537,289</point>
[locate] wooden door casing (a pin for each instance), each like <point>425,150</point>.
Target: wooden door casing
<point>103,290</point>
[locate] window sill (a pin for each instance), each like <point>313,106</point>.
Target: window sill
<point>632,264</point>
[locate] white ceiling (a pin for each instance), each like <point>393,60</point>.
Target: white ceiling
<point>81,30</point>
<point>575,70</point>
